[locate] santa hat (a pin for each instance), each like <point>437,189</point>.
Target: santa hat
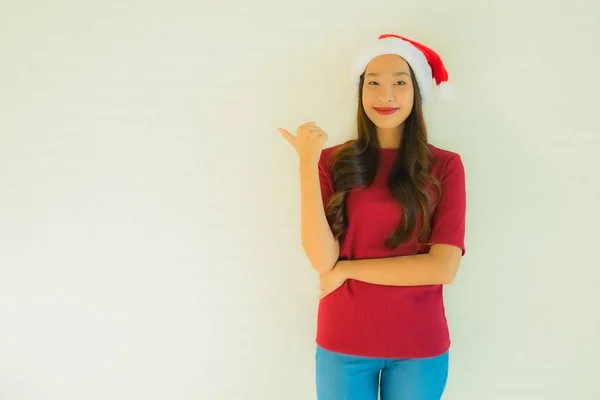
<point>425,63</point>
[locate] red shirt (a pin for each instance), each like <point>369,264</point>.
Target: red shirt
<point>372,320</point>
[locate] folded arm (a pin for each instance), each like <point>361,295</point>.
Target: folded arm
<point>439,266</point>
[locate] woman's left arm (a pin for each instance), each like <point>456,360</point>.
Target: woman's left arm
<point>439,266</point>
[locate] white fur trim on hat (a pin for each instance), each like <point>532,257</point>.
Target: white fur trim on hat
<point>391,45</point>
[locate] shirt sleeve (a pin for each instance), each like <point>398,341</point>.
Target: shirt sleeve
<point>325,177</point>
<point>449,217</point>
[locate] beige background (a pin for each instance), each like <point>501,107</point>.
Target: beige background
<point>149,210</point>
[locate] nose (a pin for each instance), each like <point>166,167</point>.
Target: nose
<point>386,93</point>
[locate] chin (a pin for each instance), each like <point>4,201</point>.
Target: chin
<point>386,124</point>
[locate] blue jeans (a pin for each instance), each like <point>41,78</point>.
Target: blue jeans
<point>347,377</point>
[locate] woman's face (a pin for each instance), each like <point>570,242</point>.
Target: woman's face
<point>388,85</point>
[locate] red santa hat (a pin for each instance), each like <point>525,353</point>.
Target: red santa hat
<point>425,63</point>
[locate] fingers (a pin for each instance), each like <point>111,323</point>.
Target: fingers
<point>317,131</point>
<point>287,136</point>
<point>322,291</point>
<point>308,133</point>
<point>310,128</point>
<point>307,125</point>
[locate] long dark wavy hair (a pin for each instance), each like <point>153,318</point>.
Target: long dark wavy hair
<point>354,166</point>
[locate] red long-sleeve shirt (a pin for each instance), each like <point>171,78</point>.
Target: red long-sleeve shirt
<point>373,320</point>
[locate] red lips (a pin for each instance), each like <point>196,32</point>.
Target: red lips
<point>385,110</point>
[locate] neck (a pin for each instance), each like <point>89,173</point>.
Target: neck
<point>390,138</point>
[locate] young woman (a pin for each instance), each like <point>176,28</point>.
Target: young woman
<point>383,222</point>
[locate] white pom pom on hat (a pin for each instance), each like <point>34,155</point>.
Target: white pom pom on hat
<point>425,63</point>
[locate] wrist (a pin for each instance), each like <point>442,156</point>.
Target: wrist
<point>342,269</point>
<point>308,160</point>
<point>308,166</point>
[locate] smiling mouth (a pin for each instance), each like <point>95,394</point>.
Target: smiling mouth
<point>385,110</point>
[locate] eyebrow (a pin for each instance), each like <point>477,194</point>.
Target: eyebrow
<point>395,74</point>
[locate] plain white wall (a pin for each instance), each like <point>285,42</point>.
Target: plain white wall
<point>149,210</point>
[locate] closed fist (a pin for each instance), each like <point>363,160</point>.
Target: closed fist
<point>308,142</point>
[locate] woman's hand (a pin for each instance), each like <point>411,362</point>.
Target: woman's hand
<point>331,280</point>
<point>308,142</point>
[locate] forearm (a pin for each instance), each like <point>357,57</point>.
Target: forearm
<point>318,241</point>
<point>413,270</point>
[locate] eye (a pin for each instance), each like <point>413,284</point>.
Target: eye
<point>372,83</point>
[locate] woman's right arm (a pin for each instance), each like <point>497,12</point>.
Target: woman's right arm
<point>318,242</point>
